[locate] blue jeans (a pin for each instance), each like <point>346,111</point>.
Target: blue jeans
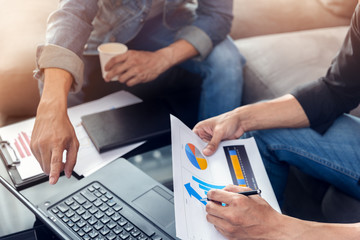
<point>222,78</point>
<point>221,71</point>
<point>333,157</point>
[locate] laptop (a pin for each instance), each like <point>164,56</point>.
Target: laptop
<point>119,201</point>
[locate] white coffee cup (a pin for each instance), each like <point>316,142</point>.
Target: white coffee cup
<point>108,51</point>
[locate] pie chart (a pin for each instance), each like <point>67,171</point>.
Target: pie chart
<point>195,157</point>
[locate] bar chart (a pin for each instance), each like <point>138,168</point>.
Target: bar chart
<point>240,168</point>
<point>22,145</point>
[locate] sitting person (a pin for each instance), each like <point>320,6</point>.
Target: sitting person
<point>160,35</point>
<point>308,129</point>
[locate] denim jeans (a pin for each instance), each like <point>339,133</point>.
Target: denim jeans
<point>222,78</point>
<point>221,71</point>
<point>333,157</point>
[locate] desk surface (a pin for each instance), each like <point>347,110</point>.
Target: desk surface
<point>15,217</point>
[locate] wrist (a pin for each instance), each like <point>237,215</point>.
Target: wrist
<point>246,117</point>
<point>165,55</point>
<point>284,227</point>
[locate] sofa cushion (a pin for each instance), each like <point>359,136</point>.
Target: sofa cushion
<point>260,17</point>
<point>279,62</point>
<point>342,8</point>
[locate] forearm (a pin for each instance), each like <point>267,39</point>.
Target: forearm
<point>57,57</point>
<point>57,83</point>
<point>283,112</point>
<point>333,231</point>
<point>300,229</point>
<point>53,133</point>
<point>178,52</point>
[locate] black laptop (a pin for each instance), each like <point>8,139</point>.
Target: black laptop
<point>117,202</point>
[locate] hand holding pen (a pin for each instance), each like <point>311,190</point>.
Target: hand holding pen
<point>245,193</point>
<point>236,211</point>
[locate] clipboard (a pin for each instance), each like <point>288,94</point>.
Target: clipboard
<point>11,161</point>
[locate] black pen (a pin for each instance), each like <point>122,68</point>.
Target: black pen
<point>246,193</point>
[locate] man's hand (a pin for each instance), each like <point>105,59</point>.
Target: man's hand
<point>244,217</point>
<point>282,112</point>
<point>134,67</point>
<point>222,127</point>
<point>251,217</point>
<point>53,132</point>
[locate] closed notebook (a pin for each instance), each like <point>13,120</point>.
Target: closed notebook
<point>122,126</point>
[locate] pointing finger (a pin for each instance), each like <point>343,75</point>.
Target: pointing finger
<point>56,166</point>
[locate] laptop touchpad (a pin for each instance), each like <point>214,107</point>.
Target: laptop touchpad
<point>158,206</point>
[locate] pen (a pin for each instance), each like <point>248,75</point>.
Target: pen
<point>246,193</point>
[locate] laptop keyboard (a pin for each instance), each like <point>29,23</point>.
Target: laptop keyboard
<point>95,213</point>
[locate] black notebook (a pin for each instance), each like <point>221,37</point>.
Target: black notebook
<point>122,126</point>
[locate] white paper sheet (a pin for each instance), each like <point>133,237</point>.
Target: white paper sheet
<point>194,175</point>
<point>89,160</point>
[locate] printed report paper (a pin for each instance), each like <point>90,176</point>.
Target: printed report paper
<point>235,162</point>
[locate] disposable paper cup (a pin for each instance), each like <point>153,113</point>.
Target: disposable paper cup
<point>107,51</point>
